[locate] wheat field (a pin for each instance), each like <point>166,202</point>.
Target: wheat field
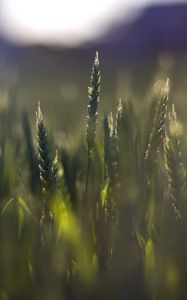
<point>102,217</point>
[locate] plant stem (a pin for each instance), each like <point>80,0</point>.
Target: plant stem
<point>87,176</point>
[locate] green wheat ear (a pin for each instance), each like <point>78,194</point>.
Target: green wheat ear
<point>93,102</point>
<point>158,129</point>
<point>174,165</point>
<point>119,116</point>
<point>47,176</point>
<point>111,151</point>
<point>57,171</point>
<point>125,119</point>
<point>107,154</point>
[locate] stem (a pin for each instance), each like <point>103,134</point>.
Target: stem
<point>87,175</point>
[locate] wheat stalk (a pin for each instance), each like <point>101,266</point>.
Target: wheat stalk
<point>47,176</point>
<point>158,130</point>
<point>46,168</point>
<point>93,102</point>
<point>107,154</point>
<point>174,165</point>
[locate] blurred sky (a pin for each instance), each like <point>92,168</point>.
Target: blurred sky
<point>66,22</point>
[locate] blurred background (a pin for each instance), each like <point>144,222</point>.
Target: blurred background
<point>47,48</point>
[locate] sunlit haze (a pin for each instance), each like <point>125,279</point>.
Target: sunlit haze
<point>61,22</point>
